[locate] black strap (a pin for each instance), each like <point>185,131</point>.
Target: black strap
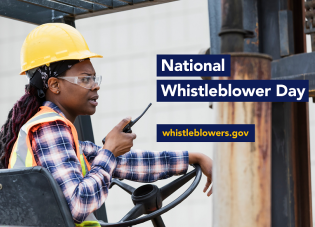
<point>37,82</point>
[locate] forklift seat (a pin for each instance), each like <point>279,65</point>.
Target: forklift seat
<point>31,197</point>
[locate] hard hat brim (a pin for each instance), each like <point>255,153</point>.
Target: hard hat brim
<point>86,54</point>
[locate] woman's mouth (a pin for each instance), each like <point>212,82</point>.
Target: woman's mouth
<point>93,102</point>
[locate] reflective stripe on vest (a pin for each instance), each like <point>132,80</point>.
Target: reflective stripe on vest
<point>90,221</point>
<point>83,160</point>
<point>22,154</point>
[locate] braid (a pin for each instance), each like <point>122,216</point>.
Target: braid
<point>22,111</point>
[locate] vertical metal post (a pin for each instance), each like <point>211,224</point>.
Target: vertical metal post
<point>283,201</point>
<point>242,171</point>
<point>309,8</point>
<point>301,165</point>
<point>232,32</point>
<point>214,8</point>
<point>250,21</point>
<point>291,190</point>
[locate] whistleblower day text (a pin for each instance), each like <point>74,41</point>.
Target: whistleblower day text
<point>178,90</point>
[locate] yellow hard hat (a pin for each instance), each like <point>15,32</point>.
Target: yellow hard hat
<point>53,42</point>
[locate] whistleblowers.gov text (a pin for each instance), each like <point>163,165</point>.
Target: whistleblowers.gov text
<point>205,133</point>
<point>195,132</point>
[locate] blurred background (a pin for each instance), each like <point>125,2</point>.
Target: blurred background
<point>129,42</point>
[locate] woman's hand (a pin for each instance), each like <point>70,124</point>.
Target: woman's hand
<point>117,141</point>
<point>206,166</point>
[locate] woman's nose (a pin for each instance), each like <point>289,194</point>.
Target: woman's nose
<point>96,87</point>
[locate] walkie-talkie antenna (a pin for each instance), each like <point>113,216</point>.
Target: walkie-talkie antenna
<point>127,128</point>
<point>135,120</point>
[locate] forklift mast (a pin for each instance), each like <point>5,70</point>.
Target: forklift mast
<point>282,182</point>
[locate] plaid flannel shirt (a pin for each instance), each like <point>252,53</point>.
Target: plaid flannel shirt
<point>54,149</point>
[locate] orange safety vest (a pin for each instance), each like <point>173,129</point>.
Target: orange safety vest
<point>22,153</point>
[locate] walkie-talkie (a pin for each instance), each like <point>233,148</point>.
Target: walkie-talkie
<point>127,128</point>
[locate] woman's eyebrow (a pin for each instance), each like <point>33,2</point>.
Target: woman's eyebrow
<point>89,74</point>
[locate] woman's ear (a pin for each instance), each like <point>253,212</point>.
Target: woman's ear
<point>53,85</point>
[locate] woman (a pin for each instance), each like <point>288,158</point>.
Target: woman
<point>39,129</point>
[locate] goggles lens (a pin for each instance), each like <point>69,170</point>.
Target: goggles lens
<point>87,82</point>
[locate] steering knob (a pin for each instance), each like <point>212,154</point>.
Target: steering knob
<point>149,196</point>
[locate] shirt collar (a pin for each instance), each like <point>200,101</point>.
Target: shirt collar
<point>53,106</point>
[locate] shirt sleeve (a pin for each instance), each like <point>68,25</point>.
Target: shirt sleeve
<point>53,148</point>
<point>90,150</point>
<point>149,166</point>
<point>144,166</point>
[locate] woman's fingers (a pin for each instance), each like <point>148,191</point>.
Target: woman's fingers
<point>209,181</point>
<point>206,166</point>
<point>207,185</point>
<point>123,123</point>
<point>209,192</point>
<point>133,135</point>
<point>119,142</point>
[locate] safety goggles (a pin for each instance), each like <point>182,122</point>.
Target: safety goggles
<point>87,82</point>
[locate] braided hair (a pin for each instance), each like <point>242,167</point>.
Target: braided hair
<point>22,111</point>
<point>25,108</point>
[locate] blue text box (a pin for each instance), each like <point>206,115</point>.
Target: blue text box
<point>205,133</point>
<point>193,65</point>
<point>232,90</point>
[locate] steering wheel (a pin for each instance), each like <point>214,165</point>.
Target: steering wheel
<point>148,199</point>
